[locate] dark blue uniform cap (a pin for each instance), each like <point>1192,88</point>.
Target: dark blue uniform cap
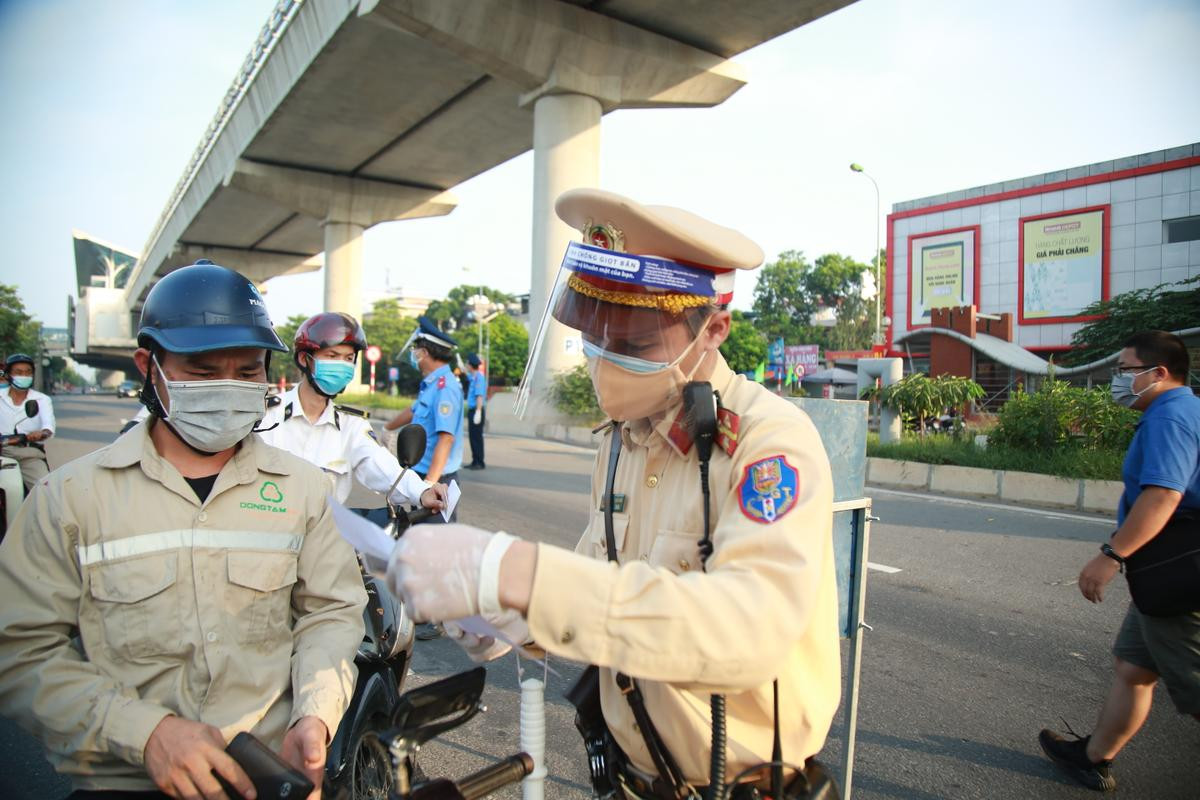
<point>428,329</point>
<point>206,307</point>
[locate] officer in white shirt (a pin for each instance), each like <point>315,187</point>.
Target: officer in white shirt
<point>30,452</point>
<point>338,439</point>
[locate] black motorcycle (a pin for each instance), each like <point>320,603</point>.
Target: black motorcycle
<point>420,715</point>
<point>354,764</point>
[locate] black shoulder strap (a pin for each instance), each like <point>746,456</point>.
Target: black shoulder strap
<point>614,453</point>
<point>668,770</point>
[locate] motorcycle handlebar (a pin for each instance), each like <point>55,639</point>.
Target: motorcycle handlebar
<point>420,515</point>
<point>490,779</point>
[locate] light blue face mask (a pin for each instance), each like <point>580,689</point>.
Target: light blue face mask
<point>332,375</point>
<point>630,363</point>
<point>412,359</point>
<point>22,381</point>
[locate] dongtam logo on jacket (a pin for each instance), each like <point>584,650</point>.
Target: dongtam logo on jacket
<point>272,497</point>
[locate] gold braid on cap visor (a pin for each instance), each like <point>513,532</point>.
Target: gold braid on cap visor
<point>672,303</point>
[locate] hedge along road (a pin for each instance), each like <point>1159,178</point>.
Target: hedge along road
<point>980,638</point>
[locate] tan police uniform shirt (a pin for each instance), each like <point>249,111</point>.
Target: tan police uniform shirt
<point>123,599</point>
<point>767,607</point>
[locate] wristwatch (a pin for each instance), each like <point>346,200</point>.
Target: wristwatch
<point>1106,548</point>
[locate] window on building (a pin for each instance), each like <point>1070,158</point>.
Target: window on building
<point>1184,229</point>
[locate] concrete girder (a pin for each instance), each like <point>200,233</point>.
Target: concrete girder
<point>339,198</point>
<point>551,47</point>
<point>257,265</point>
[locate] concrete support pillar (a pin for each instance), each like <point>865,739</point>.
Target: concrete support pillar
<point>109,378</point>
<point>566,155</point>
<point>343,268</point>
<point>889,371</point>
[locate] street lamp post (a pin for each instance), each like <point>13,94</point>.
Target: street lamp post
<point>878,340</point>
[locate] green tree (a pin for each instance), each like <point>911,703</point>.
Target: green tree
<point>1166,307</point>
<point>19,332</point>
<point>782,305</point>
<point>508,348</point>
<point>387,329</point>
<point>456,311</point>
<point>574,394</point>
<point>745,347</point>
<point>791,290</point>
<point>834,280</point>
<point>282,364</point>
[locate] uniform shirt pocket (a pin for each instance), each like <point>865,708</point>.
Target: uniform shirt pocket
<point>138,604</point>
<point>677,551</point>
<point>259,596</point>
<point>599,541</point>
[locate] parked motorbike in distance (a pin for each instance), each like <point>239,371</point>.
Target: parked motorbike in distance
<point>383,658</point>
<point>12,487</point>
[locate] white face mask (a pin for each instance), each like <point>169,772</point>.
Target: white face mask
<point>213,416</point>
<point>1122,391</point>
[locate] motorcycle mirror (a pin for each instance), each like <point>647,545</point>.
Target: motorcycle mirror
<point>31,408</point>
<point>427,711</point>
<point>410,444</point>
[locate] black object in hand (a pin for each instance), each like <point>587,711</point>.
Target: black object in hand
<point>273,778</point>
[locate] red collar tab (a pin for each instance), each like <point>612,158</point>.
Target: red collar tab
<point>679,436</point>
<point>727,430</point>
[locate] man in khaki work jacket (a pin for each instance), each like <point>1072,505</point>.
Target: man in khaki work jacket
<point>648,291</point>
<point>185,583</point>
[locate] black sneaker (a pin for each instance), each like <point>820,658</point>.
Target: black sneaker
<point>1071,757</point>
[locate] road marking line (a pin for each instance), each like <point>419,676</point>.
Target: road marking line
<point>962,501</point>
<point>882,567</point>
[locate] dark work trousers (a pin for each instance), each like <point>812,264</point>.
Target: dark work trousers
<point>475,435</point>
<point>436,519</point>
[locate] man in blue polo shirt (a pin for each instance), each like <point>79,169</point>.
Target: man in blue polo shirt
<point>1162,478</point>
<point>439,405</point>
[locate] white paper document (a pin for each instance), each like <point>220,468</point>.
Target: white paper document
<point>364,536</point>
<point>452,495</point>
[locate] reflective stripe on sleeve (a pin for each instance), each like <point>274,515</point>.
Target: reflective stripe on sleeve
<point>174,540</point>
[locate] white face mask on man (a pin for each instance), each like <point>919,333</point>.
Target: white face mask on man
<point>212,416</point>
<point>1121,388</point>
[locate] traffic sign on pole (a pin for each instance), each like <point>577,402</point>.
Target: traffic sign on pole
<point>374,353</point>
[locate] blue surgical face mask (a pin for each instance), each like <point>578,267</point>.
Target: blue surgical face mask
<point>332,375</point>
<point>412,359</point>
<point>630,363</point>
<point>22,381</point>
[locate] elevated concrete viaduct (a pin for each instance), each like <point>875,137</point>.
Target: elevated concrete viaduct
<point>348,113</point>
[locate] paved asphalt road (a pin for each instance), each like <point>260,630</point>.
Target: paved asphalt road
<point>979,639</point>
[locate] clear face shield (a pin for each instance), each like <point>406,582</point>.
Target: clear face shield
<point>638,317</point>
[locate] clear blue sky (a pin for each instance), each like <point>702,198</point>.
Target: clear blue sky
<point>104,103</point>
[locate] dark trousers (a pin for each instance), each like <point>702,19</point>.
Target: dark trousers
<point>475,435</point>
<point>436,519</point>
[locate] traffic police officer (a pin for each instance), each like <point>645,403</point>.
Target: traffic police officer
<point>185,583</point>
<point>476,409</point>
<point>439,405</point>
<point>38,428</point>
<point>762,607</point>
<point>338,439</point>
